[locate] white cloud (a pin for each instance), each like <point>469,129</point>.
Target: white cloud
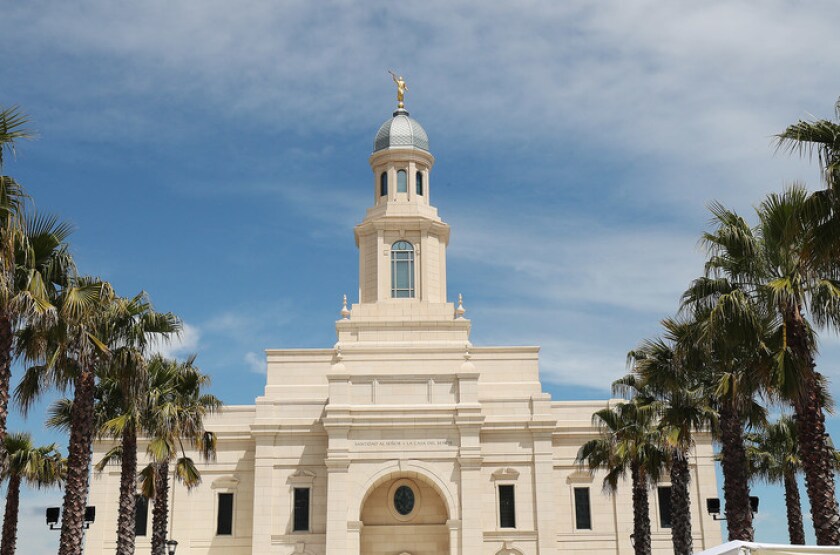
<point>563,260</point>
<point>694,90</point>
<point>187,342</point>
<point>255,362</point>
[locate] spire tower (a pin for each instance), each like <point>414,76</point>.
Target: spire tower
<point>402,244</point>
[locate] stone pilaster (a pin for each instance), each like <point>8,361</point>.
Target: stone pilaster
<point>263,482</point>
<point>337,499</point>
<point>354,537</point>
<point>542,427</point>
<point>454,527</point>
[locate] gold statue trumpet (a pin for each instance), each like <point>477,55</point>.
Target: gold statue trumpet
<point>401,88</point>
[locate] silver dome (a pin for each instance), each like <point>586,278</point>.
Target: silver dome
<point>401,131</point>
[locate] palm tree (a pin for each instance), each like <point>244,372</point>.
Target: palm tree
<point>173,415</point>
<point>823,207</point>
<point>70,349</point>
<point>36,466</point>
<point>629,441</point>
<point>774,265</point>
<point>662,370</point>
<point>121,399</point>
<point>25,247</point>
<point>730,335</point>
<point>140,325</point>
<point>773,454</point>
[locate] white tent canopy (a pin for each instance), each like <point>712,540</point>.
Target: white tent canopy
<point>751,548</point>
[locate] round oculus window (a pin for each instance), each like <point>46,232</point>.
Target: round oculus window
<point>404,500</point>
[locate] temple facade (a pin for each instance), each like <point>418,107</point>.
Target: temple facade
<point>404,437</point>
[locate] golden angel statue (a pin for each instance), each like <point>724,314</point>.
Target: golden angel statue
<point>401,88</point>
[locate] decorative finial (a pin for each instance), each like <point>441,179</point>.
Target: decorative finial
<point>401,88</point>
<point>345,313</point>
<point>459,312</point>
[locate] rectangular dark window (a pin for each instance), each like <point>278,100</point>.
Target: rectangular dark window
<point>583,514</point>
<point>664,507</point>
<point>301,517</point>
<point>141,515</point>
<point>507,507</point>
<point>224,518</point>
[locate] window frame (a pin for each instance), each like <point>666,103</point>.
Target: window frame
<point>308,528</point>
<point>402,186</point>
<point>411,289</point>
<point>418,499</point>
<point>499,486</point>
<point>137,498</point>
<point>575,490</point>
<point>383,184</point>
<point>232,513</point>
<point>660,509</point>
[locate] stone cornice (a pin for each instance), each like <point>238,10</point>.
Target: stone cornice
<point>401,155</point>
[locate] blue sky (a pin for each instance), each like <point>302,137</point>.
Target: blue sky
<point>215,155</point>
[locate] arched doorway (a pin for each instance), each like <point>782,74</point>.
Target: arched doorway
<point>404,514</point>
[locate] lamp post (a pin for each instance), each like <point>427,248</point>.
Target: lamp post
<point>171,546</point>
<point>54,515</point>
<point>713,507</point>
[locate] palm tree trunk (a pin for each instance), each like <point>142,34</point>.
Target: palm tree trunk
<point>794,510</point>
<point>6,344</point>
<point>10,518</point>
<point>128,487</point>
<point>681,505</point>
<point>736,489</point>
<point>641,512</point>
<point>817,465</point>
<point>78,466</point>
<point>160,512</point>
<point>814,445</point>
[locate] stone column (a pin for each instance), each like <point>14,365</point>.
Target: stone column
<point>410,182</point>
<point>422,264</point>
<point>383,270</point>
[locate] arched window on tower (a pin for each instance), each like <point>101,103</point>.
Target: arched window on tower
<point>402,270</point>
<point>383,184</point>
<point>419,180</point>
<point>402,185</point>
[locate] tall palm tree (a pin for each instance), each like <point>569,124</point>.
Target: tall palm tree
<point>822,137</point>
<point>732,335</point>
<point>69,350</point>
<point>36,466</point>
<point>174,415</point>
<point>773,454</point>
<point>774,264</point>
<point>662,369</point>
<point>29,251</point>
<point>122,399</point>
<point>628,442</point>
<point>141,325</point>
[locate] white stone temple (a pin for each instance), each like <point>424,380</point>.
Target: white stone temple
<point>403,437</point>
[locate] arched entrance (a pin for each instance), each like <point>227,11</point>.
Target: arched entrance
<point>404,513</point>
